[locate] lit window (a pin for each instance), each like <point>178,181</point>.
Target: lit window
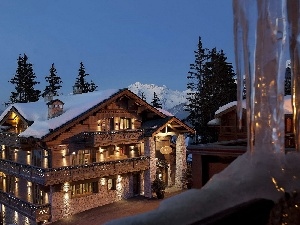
<point>125,123</point>
<point>81,189</point>
<point>111,184</point>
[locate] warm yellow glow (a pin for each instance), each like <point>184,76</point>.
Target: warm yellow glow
<point>276,185</point>
<point>102,181</point>
<point>66,187</point>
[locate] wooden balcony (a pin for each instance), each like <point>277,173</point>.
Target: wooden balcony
<point>37,213</point>
<point>9,139</point>
<point>50,176</point>
<point>228,133</point>
<point>93,139</point>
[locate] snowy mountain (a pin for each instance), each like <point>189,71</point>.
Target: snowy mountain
<point>172,101</point>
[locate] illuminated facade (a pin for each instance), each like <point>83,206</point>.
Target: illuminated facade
<point>74,153</point>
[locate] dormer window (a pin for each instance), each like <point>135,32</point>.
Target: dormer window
<point>55,108</point>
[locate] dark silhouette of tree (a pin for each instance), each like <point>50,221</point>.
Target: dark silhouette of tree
<point>211,84</point>
<point>81,81</point>
<point>156,101</point>
<point>195,86</point>
<point>54,82</point>
<point>24,81</point>
<point>141,94</point>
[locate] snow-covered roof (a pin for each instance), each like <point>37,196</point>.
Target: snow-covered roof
<point>37,112</point>
<point>165,112</point>
<point>287,106</point>
<point>214,122</point>
<point>74,105</point>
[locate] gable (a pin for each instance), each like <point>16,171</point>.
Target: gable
<point>121,100</point>
<point>13,121</point>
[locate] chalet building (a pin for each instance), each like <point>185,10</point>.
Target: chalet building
<point>64,155</point>
<point>212,158</point>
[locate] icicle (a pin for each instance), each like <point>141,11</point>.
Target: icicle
<point>294,32</point>
<point>244,33</point>
<point>259,42</point>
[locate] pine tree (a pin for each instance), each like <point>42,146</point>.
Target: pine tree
<point>143,97</point>
<point>219,88</point>
<point>141,94</point>
<point>195,85</point>
<point>81,81</point>
<point>156,101</point>
<point>211,84</point>
<point>24,81</point>
<point>54,82</point>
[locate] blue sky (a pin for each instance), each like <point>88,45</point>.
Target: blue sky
<point>120,42</point>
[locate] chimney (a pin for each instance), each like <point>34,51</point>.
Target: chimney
<point>55,108</point>
<point>77,89</point>
<point>48,96</point>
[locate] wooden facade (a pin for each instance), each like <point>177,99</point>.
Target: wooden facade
<point>212,158</point>
<point>110,151</point>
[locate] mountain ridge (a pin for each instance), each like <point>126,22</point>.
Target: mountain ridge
<point>172,101</point>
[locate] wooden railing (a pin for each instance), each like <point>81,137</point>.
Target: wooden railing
<point>50,176</point>
<point>9,139</point>
<point>103,137</point>
<point>35,212</point>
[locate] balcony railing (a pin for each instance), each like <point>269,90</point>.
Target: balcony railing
<point>107,137</point>
<point>9,139</point>
<point>50,176</point>
<point>35,212</point>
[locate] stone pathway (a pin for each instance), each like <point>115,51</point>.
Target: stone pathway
<point>123,208</point>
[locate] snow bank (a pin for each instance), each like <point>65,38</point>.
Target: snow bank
<point>260,175</point>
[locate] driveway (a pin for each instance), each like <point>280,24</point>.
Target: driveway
<point>123,208</point>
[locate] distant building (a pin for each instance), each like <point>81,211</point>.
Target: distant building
<point>212,158</point>
<point>81,151</point>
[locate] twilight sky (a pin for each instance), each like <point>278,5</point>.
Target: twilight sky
<point>119,42</point>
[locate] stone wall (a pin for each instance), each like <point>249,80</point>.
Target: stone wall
<point>149,175</point>
<point>10,216</point>
<point>63,205</point>
<point>180,160</point>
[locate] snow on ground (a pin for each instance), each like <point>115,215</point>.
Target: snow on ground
<point>257,175</point>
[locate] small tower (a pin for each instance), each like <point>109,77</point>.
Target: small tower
<point>55,108</point>
<point>48,96</point>
<point>77,89</point>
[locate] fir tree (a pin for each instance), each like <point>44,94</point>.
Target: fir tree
<point>211,85</point>
<point>24,81</point>
<point>195,85</point>
<point>156,101</point>
<point>143,97</point>
<point>219,88</point>
<point>141,94</point>
<point>54,82</point>
<point>81,81</point>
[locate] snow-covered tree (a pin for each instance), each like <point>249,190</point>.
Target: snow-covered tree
<point>156,101</point>
<point>81,81</point>
<point>24,81</point>
<point>54,81</point>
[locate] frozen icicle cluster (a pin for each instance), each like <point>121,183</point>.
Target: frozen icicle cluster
<point>261,49</point>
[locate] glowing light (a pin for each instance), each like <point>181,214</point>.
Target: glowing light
<point>66,187</point>
<point>276,185</point>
